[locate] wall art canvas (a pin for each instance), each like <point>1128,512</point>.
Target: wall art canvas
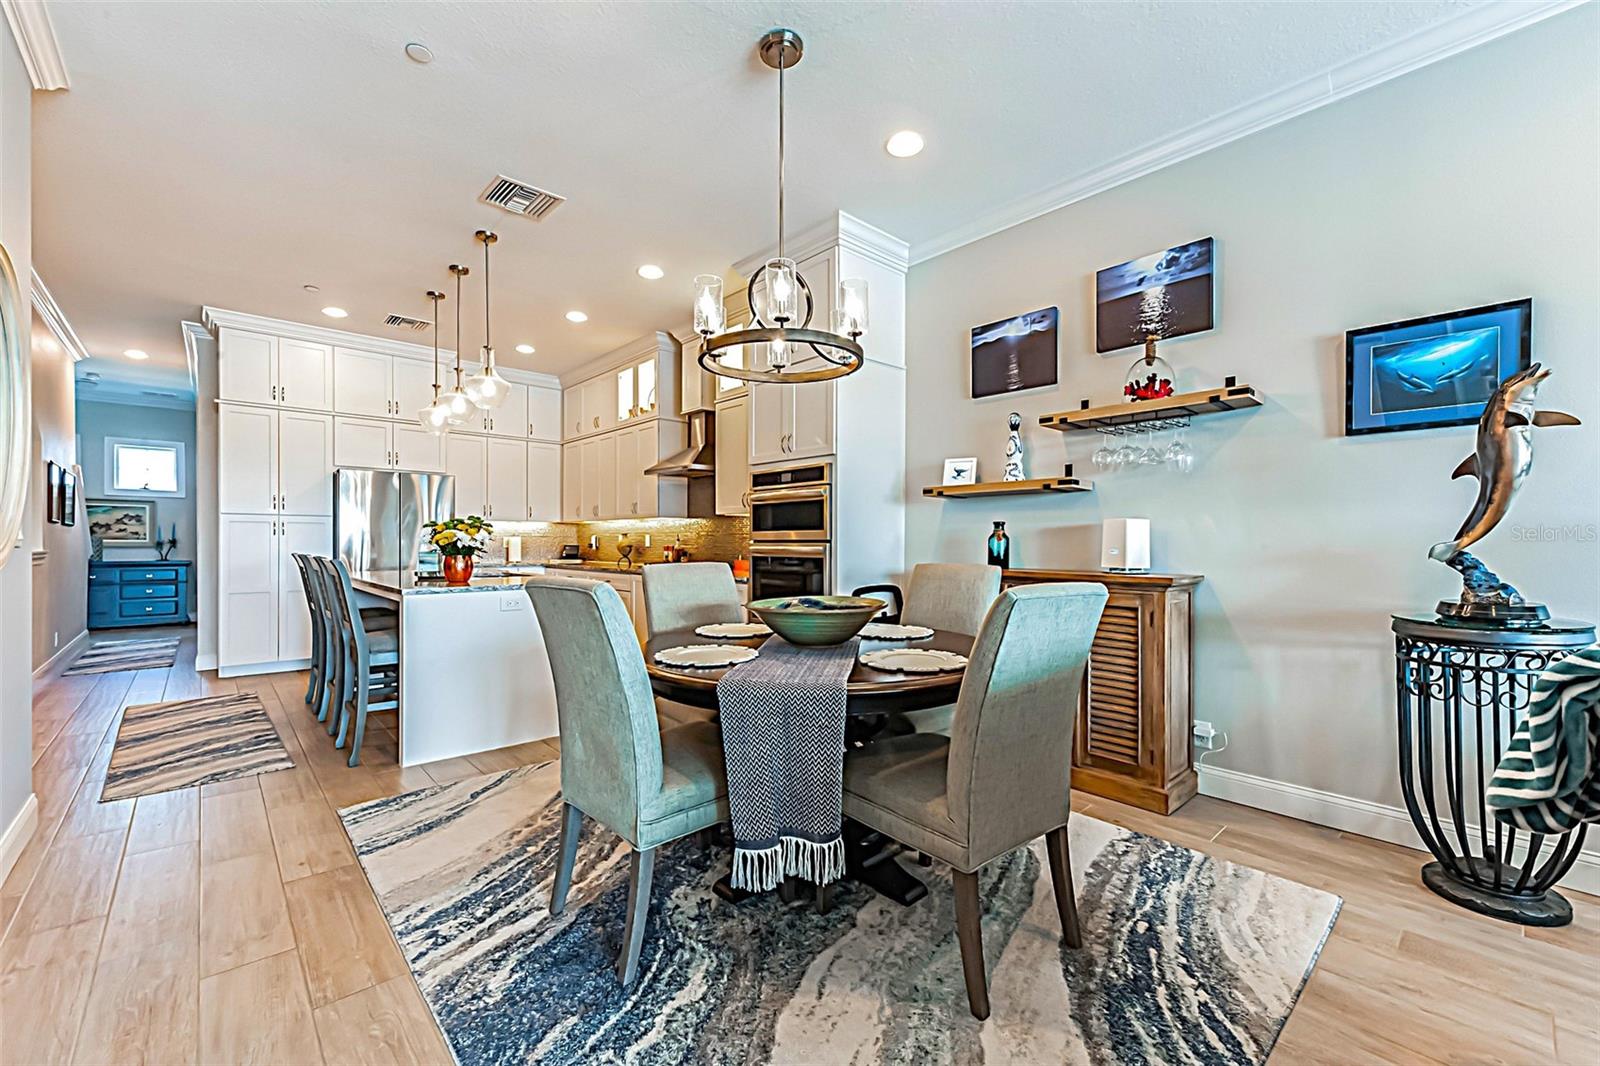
<point>119,521</point>
<point>69,496</point>
<point>1433,371</point>
<point>961,471</point>
<point>1014,353</point>
<point>1168,294</point>
<point>52,491</point>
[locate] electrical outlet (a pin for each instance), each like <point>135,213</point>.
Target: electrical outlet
<point>511,603</point>
<point>1205,734</point>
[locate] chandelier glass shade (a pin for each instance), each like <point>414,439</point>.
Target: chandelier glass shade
<point>457,406</point>
<point>781,302</point>
<point>487,389</point>
<point>435,417</point>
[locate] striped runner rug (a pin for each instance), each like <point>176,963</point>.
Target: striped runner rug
<point>163,746</point>
<point>103,658</point>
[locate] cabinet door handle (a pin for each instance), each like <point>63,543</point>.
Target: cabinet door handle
<point>283,392</point>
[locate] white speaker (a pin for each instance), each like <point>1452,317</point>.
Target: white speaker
<point>1125,545</point>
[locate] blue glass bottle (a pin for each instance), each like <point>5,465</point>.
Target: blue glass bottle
<point>999,547</point>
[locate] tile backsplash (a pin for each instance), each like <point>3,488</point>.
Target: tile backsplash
<point>707,539</point>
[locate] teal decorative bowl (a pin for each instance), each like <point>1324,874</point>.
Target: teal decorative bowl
<point>816,620</point>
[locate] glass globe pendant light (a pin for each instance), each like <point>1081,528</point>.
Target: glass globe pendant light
<point>487,389</point>
<point>457,406</point>
<point>781,302</point>
<point>435,417</point>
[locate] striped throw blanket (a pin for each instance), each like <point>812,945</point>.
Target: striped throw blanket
<point>783,744</point>
<point>1549,779</point>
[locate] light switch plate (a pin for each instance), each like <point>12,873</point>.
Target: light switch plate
<point>510,603</point>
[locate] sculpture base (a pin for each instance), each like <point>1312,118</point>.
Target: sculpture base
<point>1547,908</point>
<point>1506,614</point>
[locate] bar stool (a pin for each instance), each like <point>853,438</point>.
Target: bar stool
<point>318,680</point>
<point>323,691</point>
<point>369,662</point>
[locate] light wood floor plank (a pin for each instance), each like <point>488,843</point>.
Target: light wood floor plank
<point>234,823</point>
<point>309,839</point>
<point>156,908</point>
<point>258,1013</point>
<point>164,819</point>
<point>387,1023</point>
<point>342,935</point>
<point>243,916</point>
<point>142,1010</point>
<point>74,882</point>
<point>44,985</point>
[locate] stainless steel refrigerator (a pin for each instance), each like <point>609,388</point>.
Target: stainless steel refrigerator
<point>378,517</point>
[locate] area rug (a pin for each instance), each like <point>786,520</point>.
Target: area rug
<point>103,658</point>
<point>1186,958</point>
<point>163,746</point>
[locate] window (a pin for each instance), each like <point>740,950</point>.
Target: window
<point>144,467</point>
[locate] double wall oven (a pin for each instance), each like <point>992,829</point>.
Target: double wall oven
<point>791,531</point>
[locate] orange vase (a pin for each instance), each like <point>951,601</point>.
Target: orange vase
<point>457,569</point>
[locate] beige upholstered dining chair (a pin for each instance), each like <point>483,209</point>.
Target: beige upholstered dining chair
<point>953,597</point>
<point>1004,775</point>
<point>681,596</point>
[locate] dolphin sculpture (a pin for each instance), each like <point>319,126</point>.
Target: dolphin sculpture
<point>1503,456</point>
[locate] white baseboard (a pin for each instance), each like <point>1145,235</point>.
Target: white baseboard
<point>205,662</point>
<point>17,835</point>
<point>1351,815</point>
<point>67,649</point>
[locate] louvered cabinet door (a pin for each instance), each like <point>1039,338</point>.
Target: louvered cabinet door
<point>1112,732</point>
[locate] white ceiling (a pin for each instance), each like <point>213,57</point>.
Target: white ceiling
<point>230,153</point>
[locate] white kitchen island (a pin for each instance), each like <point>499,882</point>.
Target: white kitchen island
<point>474,674</point>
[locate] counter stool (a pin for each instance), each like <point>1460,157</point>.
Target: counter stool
<point>367,674</point>
<point>318,681</point>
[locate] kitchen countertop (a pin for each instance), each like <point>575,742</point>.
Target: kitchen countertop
<point>392,584</point>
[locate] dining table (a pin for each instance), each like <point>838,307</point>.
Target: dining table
<point>873,699</point>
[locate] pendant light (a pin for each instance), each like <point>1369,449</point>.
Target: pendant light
<point>456,403</point>
<point>435,417</point>
<point>487,389</point>
<point>781,302</point>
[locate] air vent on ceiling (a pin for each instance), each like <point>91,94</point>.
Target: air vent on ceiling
<point>520,198</point>
<point>415,325</point>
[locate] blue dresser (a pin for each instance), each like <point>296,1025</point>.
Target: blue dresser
<point>138,593</point>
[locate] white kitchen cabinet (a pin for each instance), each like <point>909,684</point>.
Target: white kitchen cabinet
<point>305,463</point>
<point>505,479</point>
<point>247,448</point>
<point>606,496</point>
<point>363,383</point>
<point>589,478</point>
<point>599,403</point>
<point>544,413</point>
<point>771,410</point>
<point>413,386</point>
<point>626,473</point>
<point>464,459</point>
<point>574,420</point>
<point>307,535</point>
<point>262,614</point>
<point>362,442</point>
<point>510,419</point>
<point>545,488</point>
<point>278,371</point>
<point>415,448</point>
<point>305,375</point>
<point>572,482</point>
<point>733,457</point>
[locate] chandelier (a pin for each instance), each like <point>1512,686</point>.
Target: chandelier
<point>781,320</point>
<point>487,389</point>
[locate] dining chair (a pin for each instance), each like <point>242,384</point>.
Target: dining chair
<point>1003,776</point>
<point>648,785</point>
<point>680,596</point>
<point>367,677</point>
<point>317,682</point>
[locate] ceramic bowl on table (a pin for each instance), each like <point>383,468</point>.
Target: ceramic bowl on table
<point>816,620</point>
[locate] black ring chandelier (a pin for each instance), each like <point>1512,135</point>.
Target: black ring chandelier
<point>781,289</point>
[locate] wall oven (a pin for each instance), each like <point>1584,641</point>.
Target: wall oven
<point>789,570</point>
<point>792,505</point>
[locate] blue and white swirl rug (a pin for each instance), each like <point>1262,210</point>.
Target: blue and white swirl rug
<point>1186,958</point>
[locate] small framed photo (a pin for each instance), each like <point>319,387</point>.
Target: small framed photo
<point>119,522</point>
<point>69,497</point>
<point>52,491</point>
<point>961,471</point>
<point>1433,371</point>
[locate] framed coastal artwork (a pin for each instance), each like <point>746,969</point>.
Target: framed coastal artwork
<point>119,521</point>
<point>1166,294</point>
<point>52,491</point>
<point>1015,353</point>
<point>69,496</point>
<point>1433,371</point>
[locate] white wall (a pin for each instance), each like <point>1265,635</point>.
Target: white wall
<point>1468,182</point>
<point>61,576</point>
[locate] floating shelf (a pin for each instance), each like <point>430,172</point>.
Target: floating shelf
<point>1230,397</point>
<point>1011,488</point>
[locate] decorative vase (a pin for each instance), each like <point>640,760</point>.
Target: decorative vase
<point>457,569</point>
<point>1150,377</point>
<point>999,547</point>
<point>1013,471</point>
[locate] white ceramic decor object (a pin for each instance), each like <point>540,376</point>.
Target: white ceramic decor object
<point>891,631</point>
<point>734,630</point>
<point>706,655</point>
<point>914,660</point>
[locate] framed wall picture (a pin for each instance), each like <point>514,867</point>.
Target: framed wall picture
<point>1167,293</point>
<point>1015,353</point>
<point>961,471</point>
<point>69,496</point>
<point>120,522</point>
<point>1433,371</point>
<point>52,491</point>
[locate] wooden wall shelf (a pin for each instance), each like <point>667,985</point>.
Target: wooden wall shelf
<point>1010,488</point>
<point>1187,404</point>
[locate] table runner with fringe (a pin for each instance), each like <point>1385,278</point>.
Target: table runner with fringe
<point>783,743</point>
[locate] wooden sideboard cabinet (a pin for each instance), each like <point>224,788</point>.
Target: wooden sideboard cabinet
<point>1136,714</point>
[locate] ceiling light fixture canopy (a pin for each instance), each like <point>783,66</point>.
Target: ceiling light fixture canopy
<point>781,302</point>
<point>487,389</point>
<point>455,401</point>
<point>435,417</point>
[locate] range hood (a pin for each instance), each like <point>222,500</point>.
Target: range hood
<point>699,459</point>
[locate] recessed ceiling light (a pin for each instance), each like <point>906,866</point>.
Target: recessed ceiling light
<point>312,288</point>
<point>905,144</point>
<point>651,272</point>
<point>525,349</point>
<point>336,312</point>
<point>577,316</point>
<point>419,53</point>
<point>135,353</point>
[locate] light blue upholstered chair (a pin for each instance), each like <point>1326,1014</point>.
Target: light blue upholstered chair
<point>684,596</point>
<point>953,597</point>
<point>648,785</point>
<point>367,662</point>
<point>1004,775</point>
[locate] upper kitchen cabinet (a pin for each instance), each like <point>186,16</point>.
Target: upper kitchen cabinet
<point>640,381</point>
<point>544,413</point>
<point>277,371</point>
<point>733,457</point>
<point>363,383</point>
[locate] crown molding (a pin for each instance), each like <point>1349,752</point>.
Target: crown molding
<point>44,302</point>
<point>1474,26</point>
<point>193,334</point>
<point>843,230</point>
<point>36,40</point>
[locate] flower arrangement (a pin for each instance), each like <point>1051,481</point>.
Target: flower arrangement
<point>460,536</point>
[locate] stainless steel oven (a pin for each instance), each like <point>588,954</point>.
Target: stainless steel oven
<point>789,570</point>
<point>792,504</point>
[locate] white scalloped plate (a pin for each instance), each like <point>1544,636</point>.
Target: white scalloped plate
<point>891,631</point>
<point>734,630</point>
<point>706,655</point>
<point>914,660</point>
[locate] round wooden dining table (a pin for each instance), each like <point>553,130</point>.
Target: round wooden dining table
<point>872,698</point>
